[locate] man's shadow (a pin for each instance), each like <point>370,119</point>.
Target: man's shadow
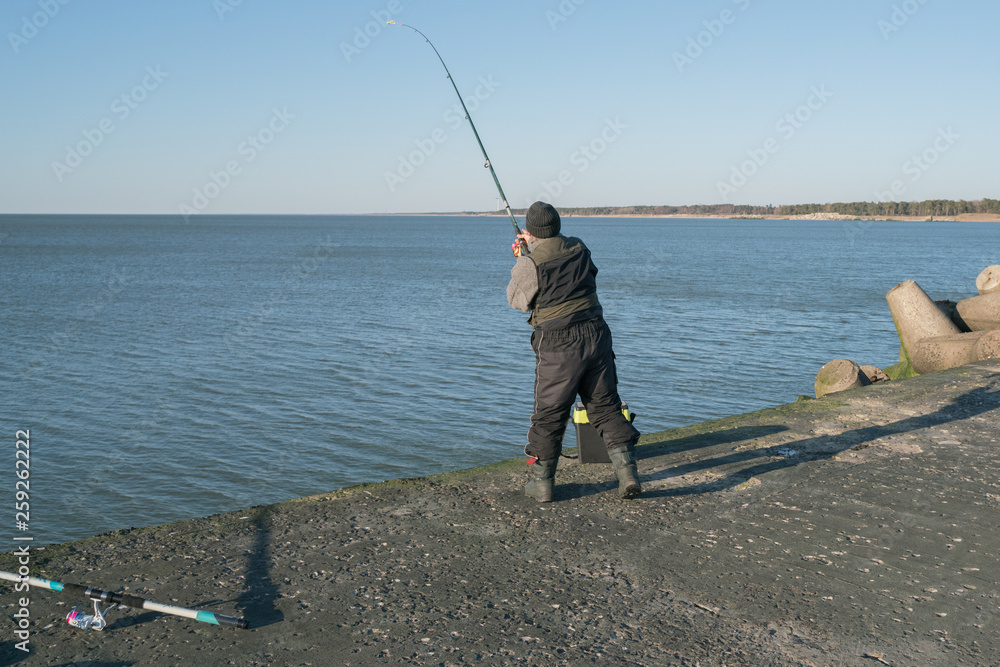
<point>663,447</point>
<point>258,599</point>
<point>776,457</point>
<point>704,440</point>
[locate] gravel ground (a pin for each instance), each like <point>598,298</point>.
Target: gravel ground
<point>860,529</point>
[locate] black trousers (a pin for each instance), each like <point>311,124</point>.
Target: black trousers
<point>577,359</point>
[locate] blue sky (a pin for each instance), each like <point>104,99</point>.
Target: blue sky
<point>228,106</point>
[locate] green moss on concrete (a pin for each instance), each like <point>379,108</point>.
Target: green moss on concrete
<point>827,379</point>
<point>904,354</point>
<point>901,371</point>
<point>749,484</point>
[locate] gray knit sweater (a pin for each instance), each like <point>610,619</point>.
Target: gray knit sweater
<point>523,286</point>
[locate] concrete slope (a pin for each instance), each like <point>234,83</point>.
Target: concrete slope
<point>860,529</point>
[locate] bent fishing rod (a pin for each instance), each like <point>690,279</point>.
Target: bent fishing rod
<point>468,117</point>
<point>97,620</point>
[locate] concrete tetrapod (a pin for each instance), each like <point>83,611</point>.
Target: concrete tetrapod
<point>839,375</point>
<point>916,317</point>
<point>942,352</point>
<point>950,309</point>
<point>874,373</point>
<point>988,281</point>
<point>980,313</point>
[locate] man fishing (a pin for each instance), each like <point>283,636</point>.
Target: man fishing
<point>556,282</point>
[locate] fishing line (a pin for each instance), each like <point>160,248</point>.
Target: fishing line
<point>468,117</point>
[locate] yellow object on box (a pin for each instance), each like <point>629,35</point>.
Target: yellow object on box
<point>580,413</point>
<point>590,445</point>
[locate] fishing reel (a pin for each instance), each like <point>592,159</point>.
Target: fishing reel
<point>96,621</point>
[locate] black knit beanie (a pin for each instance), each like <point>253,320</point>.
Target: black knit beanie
<point>542,221</point>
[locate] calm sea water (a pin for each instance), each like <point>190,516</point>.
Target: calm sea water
<point>169,370</point>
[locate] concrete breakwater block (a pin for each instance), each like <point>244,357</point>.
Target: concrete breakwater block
<point>839,375</point>
<point>874,373</point>
<point>950,308</point>
<point>939,353</point>
<point>988,281</point>
<point>980,313</point>
<point>916,317</point>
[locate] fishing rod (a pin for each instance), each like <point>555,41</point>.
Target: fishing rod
<point>468,117</point>
<point>97,621</point>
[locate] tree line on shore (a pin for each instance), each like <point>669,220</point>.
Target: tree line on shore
<point>929,208</point>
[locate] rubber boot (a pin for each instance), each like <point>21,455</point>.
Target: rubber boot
<point>623,459</point>
<point>540,488</point>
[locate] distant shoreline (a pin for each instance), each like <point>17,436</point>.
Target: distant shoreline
<point>965,217</point>
<point>827,216</point>
<point>941,210</point>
